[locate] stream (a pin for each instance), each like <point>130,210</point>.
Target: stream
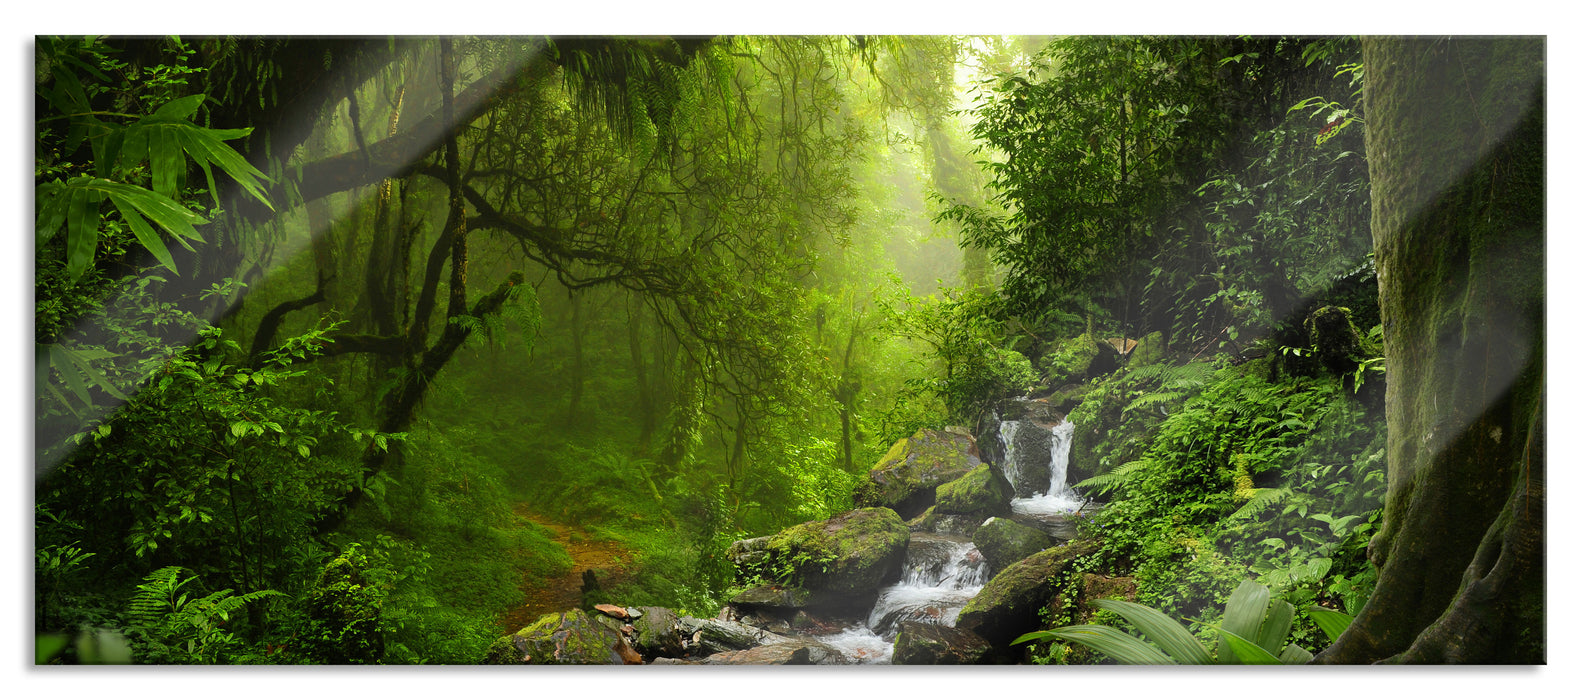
<point>943,572</point>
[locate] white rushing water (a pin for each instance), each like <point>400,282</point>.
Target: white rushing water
<point>1008,440</point>
<point>942,574</point>
<point>1058,497</point>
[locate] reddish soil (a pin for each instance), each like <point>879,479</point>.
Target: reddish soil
<point>565,592</point>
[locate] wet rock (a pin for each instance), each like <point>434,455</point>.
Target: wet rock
<point>905,478</point>
<point>1100,587</point>
<point>921,643</point>
<point>786,653</point>
<point>842,562</point>
<point>572,637</point>
<point>1008,605</point>
<point>980,493</point>
<point>947,524</point>
<point>708,637</point>
<point>1031,441</point>
<point>1004,542</point>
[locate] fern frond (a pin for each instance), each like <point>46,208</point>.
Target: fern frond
<point>1261,499</point>
<point>1154,399</point>
<point>1115,477</point>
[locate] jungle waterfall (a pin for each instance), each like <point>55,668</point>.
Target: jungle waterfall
<point>944,571</point>
<point>1059,496</point>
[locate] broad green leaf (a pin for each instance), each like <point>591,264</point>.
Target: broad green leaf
<point>1276,625</point>
<point>1170,635</point>
<point>1113,643</point>
<point>79,359</point>
<point>145,233</point>
<point>1243,613</point>
<point>180,108</point>
<point>207,143</point>
<point>165,161</point>
<point>63,364</point>
<point>1245,650</point>
<point>165,212</point>
<point>82,230</point>
<point>1295,655</point>
<point>1332,622</point>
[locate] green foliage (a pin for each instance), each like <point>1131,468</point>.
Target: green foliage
<point>1252,630</point>
<point>1282,479</point>
<point>1091,138</point>
<point>344,611</point>
<point>961,332</point>
<point>169,624</point>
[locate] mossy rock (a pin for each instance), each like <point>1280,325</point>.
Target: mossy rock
<point>1335,339</point>
<point>1008,606</point>
<point>750,557</point>
<point>572,637</point>
<point>905,478</point>
<point>657,633</point>
<point>844,560</point>
<point>982,492</point>
<point>770,598</point>
<point>1149,350</point>
<point>1004,542</point>
<point>1072,360</point>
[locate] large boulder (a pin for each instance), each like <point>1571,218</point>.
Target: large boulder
<point>923,644</point>
<point>708,637</point>
<point>944,524</point>
<point>1008,605</point>
<point>572,637</point>
<point>1027,455</point>
<point>980,493</point>
<point>1004,542</point>
<point>657,633</point>
<point>905,478</point>
<point>785,653</point>
<point>840,563</point>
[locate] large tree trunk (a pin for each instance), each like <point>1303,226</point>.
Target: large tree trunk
<point>1455,131</point>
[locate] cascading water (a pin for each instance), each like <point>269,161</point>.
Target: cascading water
<point>1058,497</point>
<point>942,573</point>
<point>1008,439</point>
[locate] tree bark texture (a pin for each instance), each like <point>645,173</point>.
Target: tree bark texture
<point>1455,139</point>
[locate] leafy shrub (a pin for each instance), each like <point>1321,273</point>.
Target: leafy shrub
<point>344,610</point>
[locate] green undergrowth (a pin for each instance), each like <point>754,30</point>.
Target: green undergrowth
<point>1229,474</point>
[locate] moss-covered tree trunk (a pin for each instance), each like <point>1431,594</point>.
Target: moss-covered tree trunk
<point>1455,131</point>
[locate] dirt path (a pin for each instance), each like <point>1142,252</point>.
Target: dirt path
<point>565,592</point>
